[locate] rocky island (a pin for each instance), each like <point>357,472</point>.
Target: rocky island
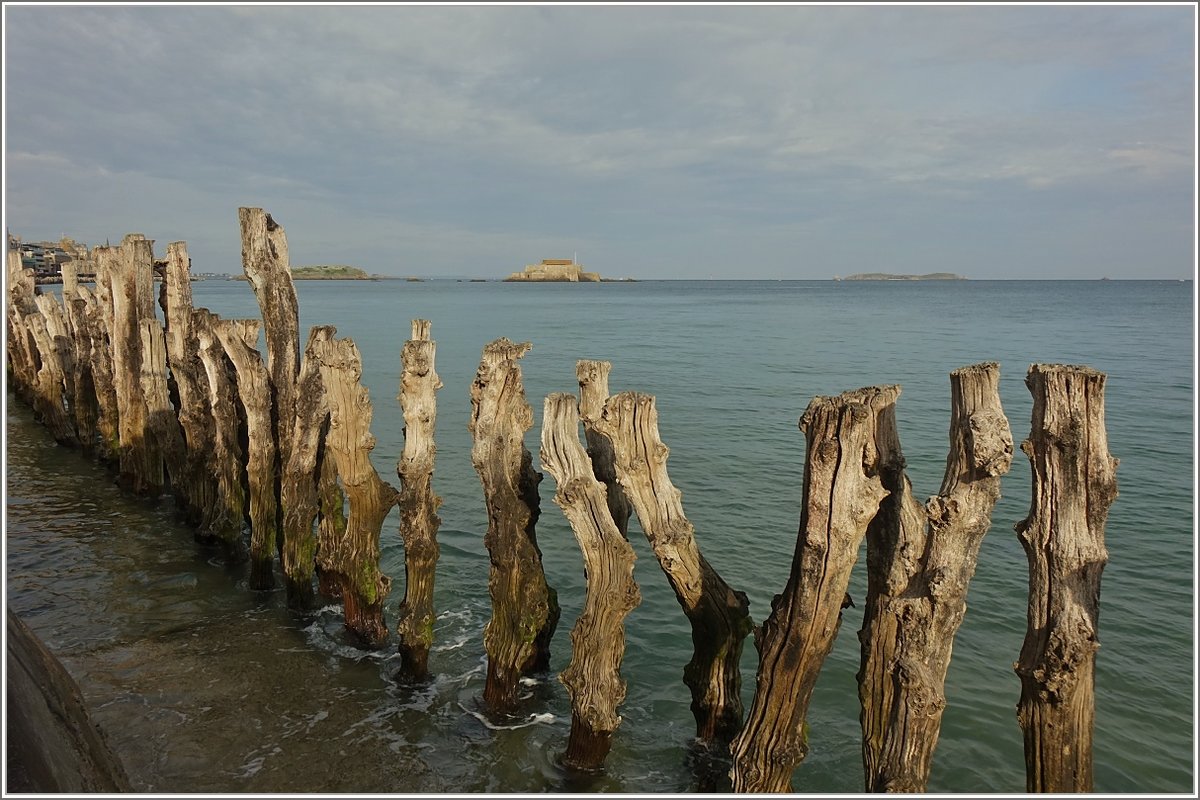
<point>886,276</point>
<point>331,272</point>
<point>563,270</point>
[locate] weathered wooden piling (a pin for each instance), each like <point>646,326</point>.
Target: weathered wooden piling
<point>418,503</point>
<point>524,608</point>
<point>593,393</point>
<point>355,557</point>
<point>98,314</point>
<point>593,678</point>
<point>1074,484</point>
<point>265,263</point>
<point>920,560</point>
<point>300,475</point>
<point>331,519</point>
<point>162,422</point>
<point>130,272</point>
<point>842,491</point>
<point>719,615</point>
<point>50,400</point>
<point>84,410</point>
<point>191,383</point>
<point>239,337</point>
<point>60,353</point>
<point>223,519</point>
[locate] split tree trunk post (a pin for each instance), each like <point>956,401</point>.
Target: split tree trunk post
<point>593,678</point>
<point>524,608</point>
<point>298,486</point>
<point>593,393</point>
<point>418,504</point>
<point>131,270</point>
<point>238,337</point>
<point>191,382</point>
<point>331,519</point>
<point>161,420</point>
<point>356,557</point>
<point>842,492</point>
<point>63,351</point>
<point>83,407</point>
<point>1074,484</point>
<point>223,519</point>
<point>265,262</point>
<point>920,560</point>
<point>719,615</point>
<point>99,313</point>
<point>49,388</point>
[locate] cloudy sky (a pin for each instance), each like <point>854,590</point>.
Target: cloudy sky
<point>653,141</point>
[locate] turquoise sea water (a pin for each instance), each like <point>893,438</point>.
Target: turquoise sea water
<point>205,686</point>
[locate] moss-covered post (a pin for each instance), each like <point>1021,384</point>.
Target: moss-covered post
<point>1074,484</point>
<point>842,492</point>
<point>331,520</point>
<point>593,678</point>
<point>238,338</point>
<point>524,608</point>
<point>299,482</point>
<point>223,520</point>
<point>719,615</point>
<point>355,559</point>
<point>920,560</point>
<point>418,503</point>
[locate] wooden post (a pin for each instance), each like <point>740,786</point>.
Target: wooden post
<point>130,269</point>
<point>49,388</point>
<point>223,520</point>
<point>265,262</point>
<point>83,406</point>
<point>418,504</point>
<point>1074,484</point>
<point>299,481</point>
<point>239,338</point>
<point>524,608</point>
<point>719,616</point>
<point>842,491</point>
<point>161,420</point>
<point>920,560</point>
<point>191,383</point>
<point>593,678</point>
<point>99,313</point>
<point>62,354</point>
<point>331,519</point>
<point>593,393</point>
<point>356,557</point>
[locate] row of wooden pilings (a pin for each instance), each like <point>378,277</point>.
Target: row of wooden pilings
<point>282,448</point>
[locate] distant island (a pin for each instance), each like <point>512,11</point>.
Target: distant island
<point>554,270</point>
<point>331,272</point>
<point>887,276</point>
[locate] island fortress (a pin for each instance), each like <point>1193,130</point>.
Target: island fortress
<point>555,269</point>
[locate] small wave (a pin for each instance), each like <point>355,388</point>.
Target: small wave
<point>532,719</point>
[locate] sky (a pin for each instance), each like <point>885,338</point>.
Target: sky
<point>786,141</point>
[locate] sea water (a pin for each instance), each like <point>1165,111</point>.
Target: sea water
<point>204,686</point>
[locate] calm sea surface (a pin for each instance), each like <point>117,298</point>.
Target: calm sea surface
<point>205,686</point>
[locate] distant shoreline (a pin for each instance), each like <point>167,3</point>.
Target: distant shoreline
<point>887,276</point>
